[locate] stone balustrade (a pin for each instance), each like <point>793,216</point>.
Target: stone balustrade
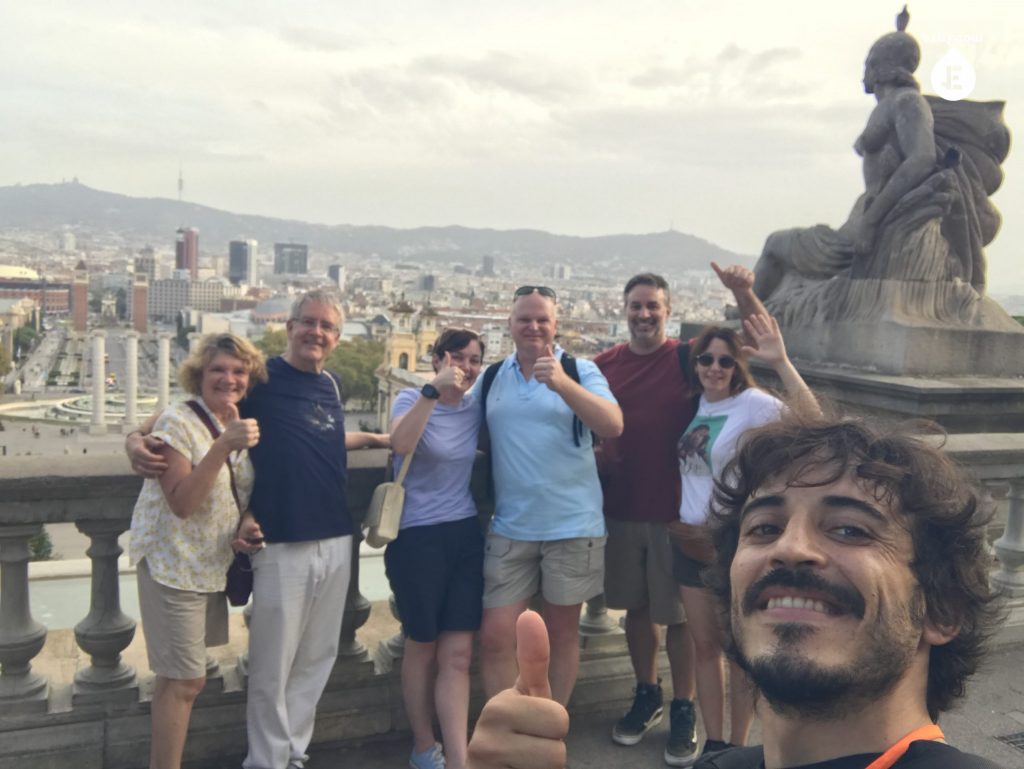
<point>98,493</point>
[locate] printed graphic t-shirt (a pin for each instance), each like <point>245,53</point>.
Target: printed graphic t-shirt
<point>711,440</point>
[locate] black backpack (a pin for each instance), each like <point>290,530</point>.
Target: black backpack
<point>568,366</point>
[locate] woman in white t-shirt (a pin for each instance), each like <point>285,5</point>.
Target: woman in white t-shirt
<point>730,405</point>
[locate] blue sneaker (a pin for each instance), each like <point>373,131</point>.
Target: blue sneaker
<point>431,758</point>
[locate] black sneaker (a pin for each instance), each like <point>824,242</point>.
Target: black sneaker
<point>714,746</point>
<point>681,749</point>
<point>645,713</point>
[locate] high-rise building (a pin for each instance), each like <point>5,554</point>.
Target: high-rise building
<point>336,272</point>
<point>80,299</point>
<point>186,251</point>
<point>145,263</point>
<point>242,262</point>
<point>487,266</point>
<point>140,302</point>
<point>291,259</point>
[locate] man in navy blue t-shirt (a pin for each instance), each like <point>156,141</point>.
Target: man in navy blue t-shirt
<point>302,574</point>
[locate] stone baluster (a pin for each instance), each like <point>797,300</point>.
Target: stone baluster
<point>595,620</point>
<point>390,650</point>
<point>1009,548</point>
<point>21,637</point>
<point>106,631</point>
<point>131,380</point>
<point>357,610</point>
<point>163,371</point>
<point>99,397</point>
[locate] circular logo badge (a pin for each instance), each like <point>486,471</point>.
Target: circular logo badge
<point>953,76</point>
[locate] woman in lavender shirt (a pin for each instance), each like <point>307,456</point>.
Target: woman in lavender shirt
<point>435,566</point>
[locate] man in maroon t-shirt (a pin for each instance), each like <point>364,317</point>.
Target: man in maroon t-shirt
<point>640,477</point>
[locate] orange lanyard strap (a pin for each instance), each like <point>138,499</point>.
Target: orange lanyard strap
<point>896,751</point>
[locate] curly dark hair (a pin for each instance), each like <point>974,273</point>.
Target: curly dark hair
<point>911,474</point>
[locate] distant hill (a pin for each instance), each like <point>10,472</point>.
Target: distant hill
<point>44,207</point>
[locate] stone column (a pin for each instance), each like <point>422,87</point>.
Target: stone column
<point>163,371</point>
<point>595,620</point>
<point>357,611</point>
<point>106,631</point>
<point>1009,548</point>
<point>131,380</point>
<point>21,637</point>
<point>99,405</point>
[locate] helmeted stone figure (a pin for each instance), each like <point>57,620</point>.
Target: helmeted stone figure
<point>912,249</point>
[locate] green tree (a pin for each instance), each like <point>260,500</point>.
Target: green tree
<point>5,361</point>
<point>41,546</point>
<point>25,339</point>
<point>273,342</point>
<point>355,362</point>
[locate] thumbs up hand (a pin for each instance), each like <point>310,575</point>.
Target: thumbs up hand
<point>548,370</point>
<point>523,727</point>
<point>239,433</point>
<point>450,376</point>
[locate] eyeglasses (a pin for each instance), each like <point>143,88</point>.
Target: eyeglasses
<point>312,323</point>
<point>542,290</point>
<point>707,359</point>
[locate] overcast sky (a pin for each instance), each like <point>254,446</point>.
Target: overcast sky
<point>725,120</point>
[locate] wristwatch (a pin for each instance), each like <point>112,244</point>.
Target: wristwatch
<point>430,392</point>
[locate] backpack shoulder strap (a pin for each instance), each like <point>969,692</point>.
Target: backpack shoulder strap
<point>683,351</point>
<point>485,386</point>
<point>572,370</point>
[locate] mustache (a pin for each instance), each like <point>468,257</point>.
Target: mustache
<point>846,598</point>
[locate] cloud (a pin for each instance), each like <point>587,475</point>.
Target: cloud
<point>501,71</point>
<point>732,73</point>
<point>318,39</point>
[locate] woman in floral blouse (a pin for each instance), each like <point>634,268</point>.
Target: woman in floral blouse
<point>184,528</point>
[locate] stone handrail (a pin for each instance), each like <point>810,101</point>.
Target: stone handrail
<point>97,493</point>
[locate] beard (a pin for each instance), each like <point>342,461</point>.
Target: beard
<point>795,685</point>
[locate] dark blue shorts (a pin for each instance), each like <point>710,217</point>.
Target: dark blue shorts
<point>437,575</point>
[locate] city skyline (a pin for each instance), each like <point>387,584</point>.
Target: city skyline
<point>726,123</point>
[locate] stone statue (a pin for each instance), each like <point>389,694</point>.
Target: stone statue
<point>912,249</point>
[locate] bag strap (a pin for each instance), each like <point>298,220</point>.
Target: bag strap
<point>569,367</point>
<point>205,419</point>
<point>898,748</point>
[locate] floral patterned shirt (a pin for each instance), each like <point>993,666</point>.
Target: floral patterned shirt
<point>189,553</point>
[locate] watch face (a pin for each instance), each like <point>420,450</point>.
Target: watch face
<point>429,391</point>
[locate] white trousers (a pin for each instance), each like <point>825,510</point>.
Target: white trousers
<point>299,591</point>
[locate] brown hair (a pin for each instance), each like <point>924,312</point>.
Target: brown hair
<point>741,376</point>
<point>936,502</point>
<point>454,338</point>
<point>190,375</point>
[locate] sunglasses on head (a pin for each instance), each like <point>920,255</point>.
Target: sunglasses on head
<point>724,361</point>
<point>542,290</point>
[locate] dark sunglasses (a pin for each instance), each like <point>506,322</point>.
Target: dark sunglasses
<point>542,290</point>
<point>707,359</point>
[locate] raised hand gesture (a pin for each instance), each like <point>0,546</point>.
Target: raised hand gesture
<point>735,277</point>
<point>763,330</point>
<point>239,433</point>
<point>548,370</point>
<point>523,727</point>
<point>450,377</point>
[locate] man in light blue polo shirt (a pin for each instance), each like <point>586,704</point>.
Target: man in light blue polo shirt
<point>548,528</point>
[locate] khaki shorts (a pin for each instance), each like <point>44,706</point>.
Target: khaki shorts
<point>179,625</point>
<point>565,571</point>
<point>638,571</point>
